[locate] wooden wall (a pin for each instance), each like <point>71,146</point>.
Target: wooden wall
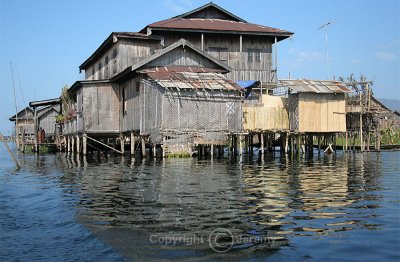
<point>125,53</point>
<point>130,104</point>
<point>243,69</point>
<point>47,122</point>
<point>100,107</point>
<point>182,57</point>
<point>321,113</point>
<point>271,115</point>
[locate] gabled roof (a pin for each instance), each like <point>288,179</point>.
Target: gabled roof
<point>48,109</point>
<point>110,41</point>
<point>202,10</point>
<point>181,43</point>
<point>22,114</point>
<point>80,83</point>
<point>209,22</point>
<point>52,101</point>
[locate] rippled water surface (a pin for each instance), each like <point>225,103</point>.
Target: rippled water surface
<point>111,208</point>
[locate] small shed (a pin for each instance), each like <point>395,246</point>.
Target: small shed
<point>24,125</point>
<point>316,106</point>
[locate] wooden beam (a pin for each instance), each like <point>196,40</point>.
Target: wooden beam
<point>101,143</point>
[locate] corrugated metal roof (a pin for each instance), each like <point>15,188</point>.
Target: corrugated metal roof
<point>216,25</point>
<point>191,80</point>
<point>314,86</point>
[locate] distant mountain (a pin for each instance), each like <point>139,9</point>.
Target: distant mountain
<point>392,104</point>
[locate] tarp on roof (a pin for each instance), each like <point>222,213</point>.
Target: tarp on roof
<point>248,85</point>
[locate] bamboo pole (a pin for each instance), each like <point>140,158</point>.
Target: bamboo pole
<point>10,152</point>
<point>84,144</point>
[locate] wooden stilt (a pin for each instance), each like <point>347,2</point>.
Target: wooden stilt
<point>132,144</point>
<point>73,144</point>
<point>286,143</point>
<point>212,150</point>
<point>84,144</point>
<point>78,144</point>
<point>298,143</point>
<point>143,147</point>
<point>23,140</point>
<point>262,143</point>
<point>122,143</point>
<point>346,142</point>
<point>368,139</point>
<point>240,145</point>
<point>154,150</point>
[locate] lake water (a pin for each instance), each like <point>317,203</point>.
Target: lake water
<point>343,207</point>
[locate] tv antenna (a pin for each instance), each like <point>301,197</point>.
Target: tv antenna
<point>325,27</point>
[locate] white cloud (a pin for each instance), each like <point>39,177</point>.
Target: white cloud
<point>179,6</point>
<point>385,56</point>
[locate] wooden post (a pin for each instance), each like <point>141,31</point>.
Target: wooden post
<point>262,143</point>
<point>368,139</point>
<point>143,147</point>
<point>164,148</point>
<point>122,142</point>
<point>154,150</point>
<point>84,144</point>
<point>286,143</point>
<point>361,133</point>
<point>240,145</point>
<point>378,137</point>
<point>346,142</point>
<point>36,130</point>
<point>298,143</point>
<point>78,144</point>
<point>212,150</point>
<point>73,144</point>
<point>319,143</point>
<point>23,141</point>
<point>132,144</point>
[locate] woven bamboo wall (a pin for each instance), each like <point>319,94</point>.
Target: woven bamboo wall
<point>271,115</point>
<point>321,113</point>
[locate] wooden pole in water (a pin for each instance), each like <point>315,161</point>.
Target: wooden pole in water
<point>132,143</point>
<point>84,144</point>
<point>122,142</point>
<point>78,144</point>
<point>262,143</point>
<point>10,152</point>
<point>240,145</point>
<point>143,147</point>
<point>212,150</point>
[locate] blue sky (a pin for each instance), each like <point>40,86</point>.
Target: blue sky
<point>47,40</point>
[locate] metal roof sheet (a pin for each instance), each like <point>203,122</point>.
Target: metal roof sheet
<point>314,86</point>
<point>216,25</point>
<point>192,80</point>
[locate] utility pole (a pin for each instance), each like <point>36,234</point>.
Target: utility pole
<point>325,27</point>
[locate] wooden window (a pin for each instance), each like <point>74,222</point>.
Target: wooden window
<point>219,52</point>
<point>93,72</point>
<point>115,53</point>
<point>99,67</point>
<point>254,54</point>
<point>106,67</point>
